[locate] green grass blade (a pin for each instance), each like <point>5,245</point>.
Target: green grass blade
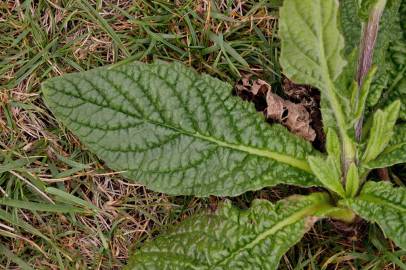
<point>34,206</point>
<point>69,198</point>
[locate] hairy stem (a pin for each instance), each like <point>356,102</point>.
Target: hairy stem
<point>370,34</point>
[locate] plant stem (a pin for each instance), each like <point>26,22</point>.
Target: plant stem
<point>343,214</point>
<point>370,34</point>
<point>347,145</point>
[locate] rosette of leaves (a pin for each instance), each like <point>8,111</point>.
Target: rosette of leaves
<point>183,133</point>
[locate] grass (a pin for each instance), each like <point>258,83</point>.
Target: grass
<point>61,208</point>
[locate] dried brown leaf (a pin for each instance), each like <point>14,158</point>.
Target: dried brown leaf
<point>260,87</point>
<point>294,116</point>
<point>253,87</point>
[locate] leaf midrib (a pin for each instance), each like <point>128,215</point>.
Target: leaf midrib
<point>301,164</point>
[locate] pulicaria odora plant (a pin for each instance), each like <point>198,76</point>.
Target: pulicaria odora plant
<point>182,133</point>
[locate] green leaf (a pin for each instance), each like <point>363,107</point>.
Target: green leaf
<point>328,173</point>
<point>353,181</point>
<point>402,13</point>
<point>350,25</point>
<point>232,238</point>
<point>311,42</point>
<point>329,121</point>
<point>399,93</point>
<point>384,204</point>
<point>394,153</point>
<point>178,132</point>
<point>381,131</point>
<point>397,82</point>
<point>333,147</point>
<point>360,101</point>
<point>311,46</point>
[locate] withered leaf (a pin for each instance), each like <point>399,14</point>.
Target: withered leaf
<point>294,116</point>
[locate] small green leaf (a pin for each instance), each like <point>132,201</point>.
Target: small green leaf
<point>394,153</point>
<point>354,96</point>
<point>333,147</point>
<point>232,238</point>
<point>360,101</point>
<point>384,204</point>
<point>328,173</point>
<point>381,131</point>
<point>353,181</point>
<point>178,132</point>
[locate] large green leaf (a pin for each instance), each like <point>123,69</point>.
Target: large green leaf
<point>232,238</point>
<point>311,42</point>
<point>384,204</point>
<point>394,153</point>
<point>311,50</point>
<point>176,131</point>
